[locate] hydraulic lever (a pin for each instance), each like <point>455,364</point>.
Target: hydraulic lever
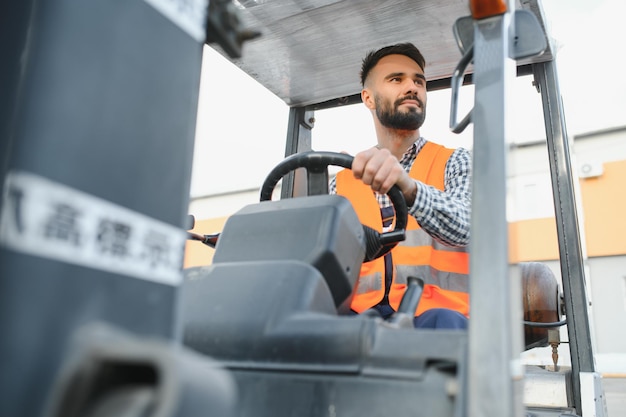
<point>209,240</point>
<point>411,298</point>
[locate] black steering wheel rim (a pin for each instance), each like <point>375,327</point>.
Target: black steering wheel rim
<point>317,161</point>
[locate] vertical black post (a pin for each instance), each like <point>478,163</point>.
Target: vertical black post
<point>298,140</point>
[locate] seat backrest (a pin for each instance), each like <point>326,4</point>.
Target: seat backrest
<point>321,231</point>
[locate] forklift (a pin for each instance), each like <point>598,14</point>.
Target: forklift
<point>98,316</point>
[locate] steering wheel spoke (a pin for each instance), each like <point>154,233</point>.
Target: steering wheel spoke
<point>317,180</point>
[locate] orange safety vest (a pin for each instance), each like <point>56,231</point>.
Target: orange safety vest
<point>444,269</point>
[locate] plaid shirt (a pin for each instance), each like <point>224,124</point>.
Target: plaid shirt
<point>445,215</point>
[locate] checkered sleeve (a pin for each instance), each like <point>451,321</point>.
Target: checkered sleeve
<point>445,215</point>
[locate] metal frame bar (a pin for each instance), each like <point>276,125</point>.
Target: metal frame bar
<point>572,257</point>
<point>494,381</point>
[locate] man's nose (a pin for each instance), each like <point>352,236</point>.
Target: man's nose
<point>410,86</point>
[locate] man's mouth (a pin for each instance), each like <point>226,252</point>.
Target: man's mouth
<point>410,101</point>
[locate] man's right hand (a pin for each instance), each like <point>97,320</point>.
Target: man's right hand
<point>380,169</point>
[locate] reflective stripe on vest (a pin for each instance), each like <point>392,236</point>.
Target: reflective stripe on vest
<point>444,269</point>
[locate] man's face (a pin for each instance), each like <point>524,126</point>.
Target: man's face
<point>398,88</point>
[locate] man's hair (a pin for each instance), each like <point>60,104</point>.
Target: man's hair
<point>406,49</point>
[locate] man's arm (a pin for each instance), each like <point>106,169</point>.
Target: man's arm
<point>445,215</point>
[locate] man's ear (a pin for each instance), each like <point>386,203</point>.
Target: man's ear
<point>368,99</point>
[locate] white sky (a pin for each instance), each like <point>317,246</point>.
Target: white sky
<point>242,127</point>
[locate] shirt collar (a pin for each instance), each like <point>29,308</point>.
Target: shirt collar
<point>412,151</point>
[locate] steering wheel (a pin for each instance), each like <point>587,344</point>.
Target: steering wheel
<point>316,165</point>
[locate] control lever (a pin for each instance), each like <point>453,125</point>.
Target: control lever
<point>411,298</point>
<point>209,240</point>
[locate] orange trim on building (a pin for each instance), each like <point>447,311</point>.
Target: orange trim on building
<point>604,208</point>
<point>533,240</point>
<point>603,219</point>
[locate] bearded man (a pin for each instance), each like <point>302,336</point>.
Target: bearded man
<point>435,182</point>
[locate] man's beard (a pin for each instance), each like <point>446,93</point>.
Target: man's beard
<point>393,118</point>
